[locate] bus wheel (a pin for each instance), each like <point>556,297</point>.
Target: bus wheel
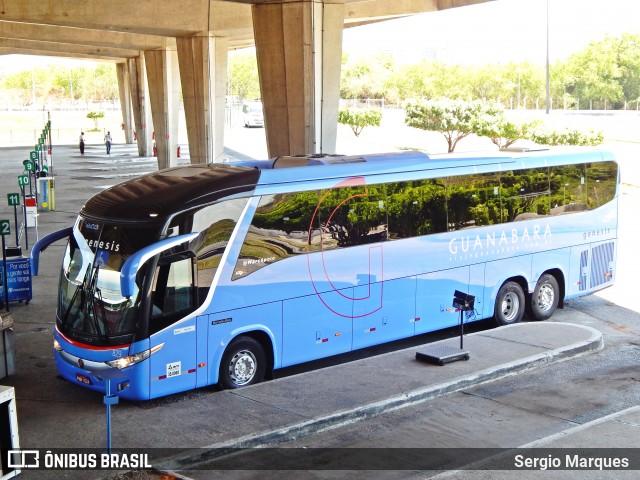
<point>545,298</point>
<point>510,304</point>
<point>243,363</point>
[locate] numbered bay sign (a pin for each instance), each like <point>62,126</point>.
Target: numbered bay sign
<point>33,155</point>
<point>5,228</point>
<point>13,199</point>
<point>29,166</point>
<point>23,180</point>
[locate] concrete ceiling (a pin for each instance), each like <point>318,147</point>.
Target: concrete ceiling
<point>115,30</point>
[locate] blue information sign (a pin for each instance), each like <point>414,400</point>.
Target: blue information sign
<point>18,279</point>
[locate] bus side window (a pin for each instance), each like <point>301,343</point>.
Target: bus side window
<point>473,200</point>
<point>173,293</point>
<point>602,181</point>
<point>415,208</point>
<point>568,189</point>
<point>281,227</point>
<point>525,193</point>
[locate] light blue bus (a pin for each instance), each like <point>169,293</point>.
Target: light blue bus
<point>221,273</point>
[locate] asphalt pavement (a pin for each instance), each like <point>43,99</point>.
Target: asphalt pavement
<point>189,429</point>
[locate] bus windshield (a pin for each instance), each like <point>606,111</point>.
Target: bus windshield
<point>91,308</point>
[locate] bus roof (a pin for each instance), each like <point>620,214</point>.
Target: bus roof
<point>339,167</point>
<point>155,196</point>
<point>160,194</point>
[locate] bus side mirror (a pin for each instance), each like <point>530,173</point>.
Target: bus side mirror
<point>43,243</point>
<point>132,265</point>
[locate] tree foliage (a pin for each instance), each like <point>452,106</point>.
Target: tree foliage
<point>358,119</point>
<point>567,137</point>
<point>242,76</point>
<point>455,119</point>
<point>64,84</point>
<point>95,116</point>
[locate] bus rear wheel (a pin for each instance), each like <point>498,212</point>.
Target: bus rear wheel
<point>243,363</point>
<point>510,304</point>
<point>545,298</point>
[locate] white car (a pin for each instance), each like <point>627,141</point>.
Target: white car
<point>252,114</point>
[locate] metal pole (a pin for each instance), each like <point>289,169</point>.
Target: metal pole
<point>4,276</point>
<point>15,217</point>
<point>548,103</point>
<point>108,404</point>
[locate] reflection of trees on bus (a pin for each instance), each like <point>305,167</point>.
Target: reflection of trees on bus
<point>348,216</point>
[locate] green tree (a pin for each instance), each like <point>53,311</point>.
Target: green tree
<point>29,85</point>
<point>95,116</point>
<point>501,131</point>
<point>358,119</point>
<point>366,77</point>
<point>567,136</point>
<point>454,119</point>
<point>242,76</point>
<point>594,73</point>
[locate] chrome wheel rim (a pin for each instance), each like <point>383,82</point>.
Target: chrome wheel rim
<point>546,297</point>
<point>510,306</point>
<point>243,367</point>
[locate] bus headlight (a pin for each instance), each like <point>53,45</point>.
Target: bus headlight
<point>56,346</point>
<point>129,360</point>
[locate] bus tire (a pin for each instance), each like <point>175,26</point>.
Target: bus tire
<point>510,304</point>
<point>243,363</point>
<point>544,300</point>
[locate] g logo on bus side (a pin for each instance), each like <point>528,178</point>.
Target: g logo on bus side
<point>335,299</point>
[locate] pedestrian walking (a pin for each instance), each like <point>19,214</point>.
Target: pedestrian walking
<point>107,141</point>
<point>81,143</point>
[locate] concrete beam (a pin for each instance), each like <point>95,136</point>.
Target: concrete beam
<point>140,104</point>
<point>62,48</point>
<point>166,18</point>
<point>47,53</point>
<point>164,88</point>
<point>203,73</point>
<point>299,47</point>
<point>124,88</point>
<point>83,36</point>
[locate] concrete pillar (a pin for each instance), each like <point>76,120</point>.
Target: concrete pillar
<point>164,88</point>
<point>203,74</point>
<point>122,71</point>
<point>299,50</point>
<point>140,104</point>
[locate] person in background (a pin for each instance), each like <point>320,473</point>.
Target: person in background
<point>107,141</point>
<point>81,143</point>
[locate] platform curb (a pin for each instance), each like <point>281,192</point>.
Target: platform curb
<point>203,455</point>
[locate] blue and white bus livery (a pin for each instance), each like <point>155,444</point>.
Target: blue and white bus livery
<point>219,274</point>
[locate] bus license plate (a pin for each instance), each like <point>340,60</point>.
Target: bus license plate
<point>83,379</point>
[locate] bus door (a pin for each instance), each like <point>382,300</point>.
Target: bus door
<point>174,367</point>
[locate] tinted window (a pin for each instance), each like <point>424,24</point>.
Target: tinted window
<point>215,224</point>
<point>353,216</point>
<point>473,201</point>
<point>416,208</point>
<point>281,226</point>
<point>602,180</point>
<point>525,194</point>
<point>568,189</point>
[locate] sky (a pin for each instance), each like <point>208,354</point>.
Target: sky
<point>493,32</point>
<point>499,31</point>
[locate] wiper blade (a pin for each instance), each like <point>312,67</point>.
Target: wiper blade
<point>92,301</point>
<point>79,289</point>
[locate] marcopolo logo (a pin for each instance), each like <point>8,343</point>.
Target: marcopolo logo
<point>489,242</point>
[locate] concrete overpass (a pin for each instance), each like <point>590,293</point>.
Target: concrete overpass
<point>164,47</point>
